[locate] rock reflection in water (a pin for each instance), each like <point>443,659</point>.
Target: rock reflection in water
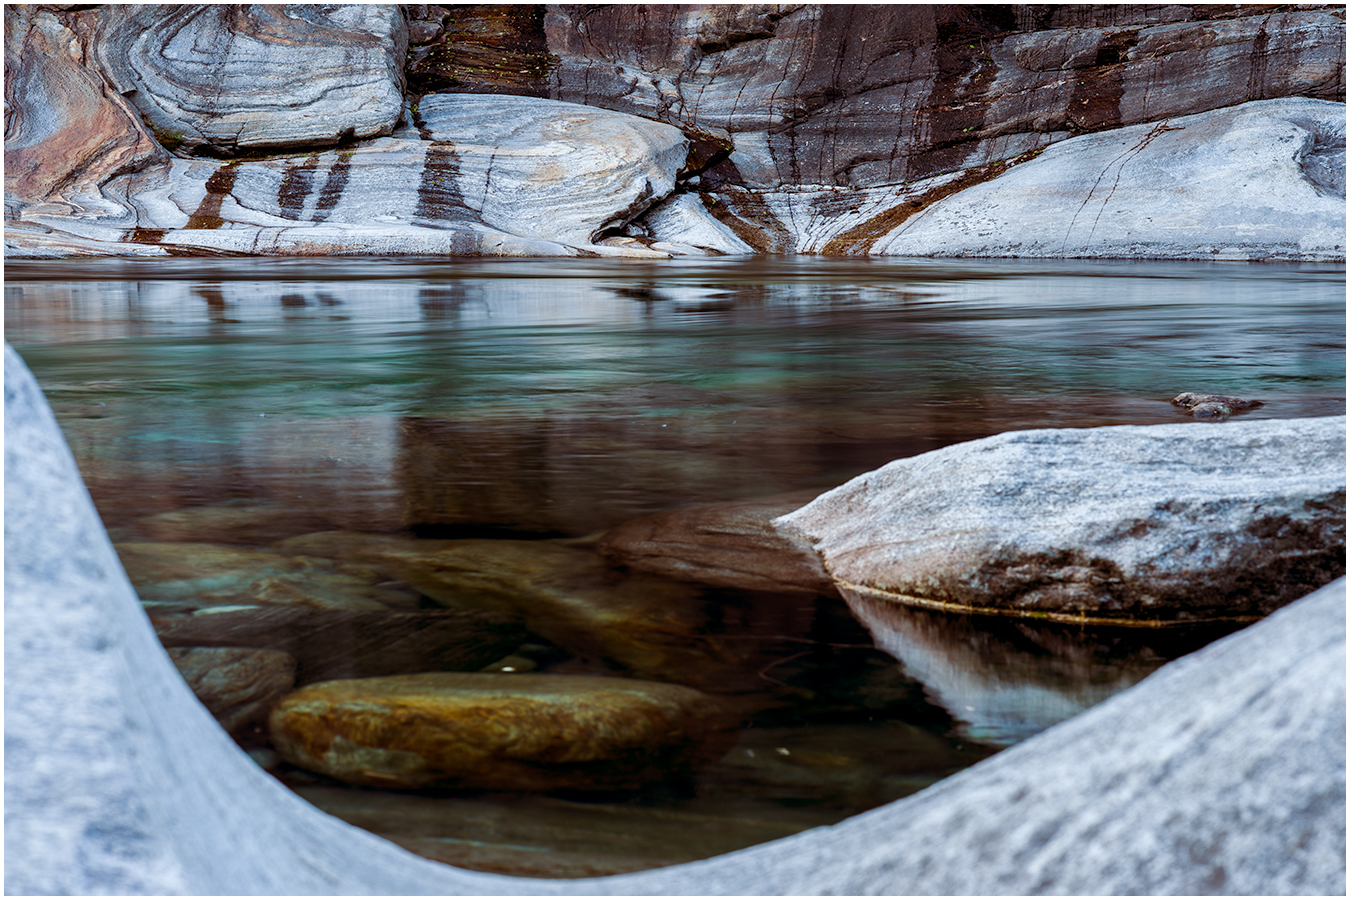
<point>1004,680</point>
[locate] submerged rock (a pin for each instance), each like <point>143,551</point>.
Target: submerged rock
<point>238,685</point>
<point>1213,406</point>
<point>499,732</point>
<point>730,545</point>
<point>231,522</point>
<point>191,576</point>
<point>644,625</point>
<point>327,644</point>
<point>1157,524</point>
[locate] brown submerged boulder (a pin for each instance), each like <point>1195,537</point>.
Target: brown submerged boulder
<point>237,684</point>
<point>338,643</point>
<point>638,623</point>
<point>729,545</point>
<point>499,732</point>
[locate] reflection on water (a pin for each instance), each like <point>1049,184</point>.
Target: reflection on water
<point>291,455</point>
<point>1004,680</point>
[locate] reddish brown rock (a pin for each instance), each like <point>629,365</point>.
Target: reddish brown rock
<point>238,685</point>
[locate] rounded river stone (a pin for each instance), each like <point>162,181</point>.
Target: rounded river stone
<point>499,731</point>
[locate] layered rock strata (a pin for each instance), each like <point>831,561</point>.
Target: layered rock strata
<point>1144,525</point>
<point>806,129</point>
<point>234,77</point>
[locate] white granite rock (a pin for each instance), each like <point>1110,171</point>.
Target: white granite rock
<point>1222,773</point>
<point>1263,180</point>
<point>1153,523</point>
<point>233,77</point>
<point>492,176</point>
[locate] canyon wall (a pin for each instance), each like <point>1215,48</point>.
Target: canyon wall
<point>797,128</point>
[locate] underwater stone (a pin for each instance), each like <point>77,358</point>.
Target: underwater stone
<point>238,685</point>
<point>499,731</point>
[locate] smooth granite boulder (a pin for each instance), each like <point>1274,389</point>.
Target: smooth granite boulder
<point>237,684</point>
<point>1221,773</point>
<point>233,77</point>
<point>506,732</point>
<point>1263,180</point>
<point>1150,525</point>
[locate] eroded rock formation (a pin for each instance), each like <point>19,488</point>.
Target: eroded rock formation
<point>790,128</point>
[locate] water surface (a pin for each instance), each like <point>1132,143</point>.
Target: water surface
<point>242,402</point>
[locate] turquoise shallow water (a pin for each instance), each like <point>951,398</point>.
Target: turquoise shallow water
<point>646,385</point>
<point>258,399</point>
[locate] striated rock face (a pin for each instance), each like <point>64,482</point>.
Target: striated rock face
<point>66,130</point>
<point>833,129</point>
<point>499,732</point>
<point>226,78</point>
<point>1258,181</point>
<point>1155,524</point>
<point>864,95</point>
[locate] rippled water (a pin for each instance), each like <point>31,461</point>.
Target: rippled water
<point>243,402</point>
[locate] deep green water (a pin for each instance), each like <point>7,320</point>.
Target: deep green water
<point>559,398</point>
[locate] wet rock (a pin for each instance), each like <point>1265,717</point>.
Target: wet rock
<point>548,170</point>
<point>329,644</point>
<point>1165,523</point>
<point>191,576</point>
<point>1004,680</point>
<point>499,732</point>
<point>644,625</point>
<point>1252,175</point>
<point>730,545</point>
<point>1212,406</point>
<point>233,77</point>
<point>238,685</point>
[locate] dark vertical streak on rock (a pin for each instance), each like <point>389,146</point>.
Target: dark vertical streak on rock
<point>438,198</point>
<point>218,187</point>
<point>296,184</point>
<point>334,186</point>
<point>1256,77</point>
<point>1095,102</point>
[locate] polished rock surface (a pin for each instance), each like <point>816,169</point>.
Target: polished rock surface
<point>1149,524</point>
<point>499,731</point>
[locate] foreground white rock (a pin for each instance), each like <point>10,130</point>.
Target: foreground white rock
<point>1144,524</point>
<point>1221,773</point>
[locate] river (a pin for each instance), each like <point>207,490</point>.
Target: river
<point>241,402</point>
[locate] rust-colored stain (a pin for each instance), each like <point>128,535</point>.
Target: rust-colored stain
<point>218,187</point>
